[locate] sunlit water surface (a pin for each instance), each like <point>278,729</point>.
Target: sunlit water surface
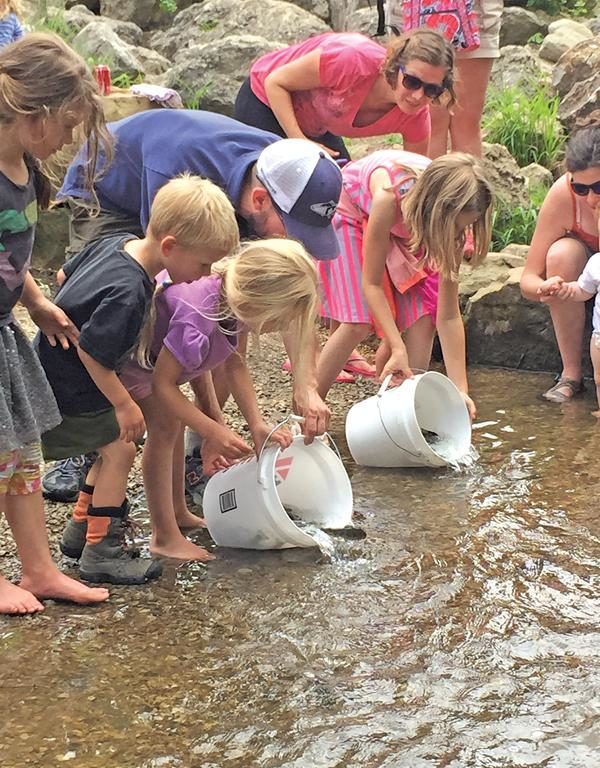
<point>464,630</point>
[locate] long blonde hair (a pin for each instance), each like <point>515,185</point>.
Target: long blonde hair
<point>428,46</point>
<point>271,283</point>
<point>11,6</point>
<point>198,214</point>
<point>41,76</point>
<point>450,185</point>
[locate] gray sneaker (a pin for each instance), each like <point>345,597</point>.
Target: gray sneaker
<point>66,478</point>
<point>113,561</point>
<point>73,538</point>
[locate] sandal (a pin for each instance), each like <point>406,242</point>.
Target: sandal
<point>556,395</point>
<point>344,376</point>
<point>359,366</point>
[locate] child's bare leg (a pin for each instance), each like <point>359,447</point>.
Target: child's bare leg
<point>157,463</point>
<point>336,351</point>
<point>185,519</point>
<point>595,355</point>
<point>418,340</point>
<point>40,576</point>
<point>13,599</point>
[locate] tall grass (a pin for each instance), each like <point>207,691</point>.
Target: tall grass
<point>525,120</point>
<point>512,224</point>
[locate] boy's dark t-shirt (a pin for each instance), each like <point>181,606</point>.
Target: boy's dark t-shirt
<point>107,294</point>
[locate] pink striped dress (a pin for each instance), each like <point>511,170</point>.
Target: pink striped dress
<point>412,291</point>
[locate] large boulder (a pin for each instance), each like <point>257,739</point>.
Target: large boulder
<point>537,176</point>
<point>214,20</point>
<point>576,65</point>
<point>508,182</point>
<point>518,25</point>
<point>99,41</point>
<point>79,16</point>
<point>340,10</point>
<point>319,8</point>
<point>363,20</point>
<point>147,14</point>
<point>504,329</point>
<point>209,76</point>
<point>520,66</point>
<point>562,35</point>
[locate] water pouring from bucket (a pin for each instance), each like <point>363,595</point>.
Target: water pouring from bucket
<point>424,422</point>
<point>253,504</point>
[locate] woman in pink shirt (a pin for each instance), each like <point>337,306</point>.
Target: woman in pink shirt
<point>344,84</point>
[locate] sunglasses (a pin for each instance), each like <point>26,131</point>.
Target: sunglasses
<point>414,83</point>
<point>583,189</point>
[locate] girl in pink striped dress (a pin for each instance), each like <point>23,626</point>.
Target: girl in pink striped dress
<point>401,225</point>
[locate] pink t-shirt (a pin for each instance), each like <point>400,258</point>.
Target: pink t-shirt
<point>356,202</point>
<point>349,65</point>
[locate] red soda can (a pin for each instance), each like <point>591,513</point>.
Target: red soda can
<point>102,75</point>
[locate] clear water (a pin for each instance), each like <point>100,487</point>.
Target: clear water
<point>462,632</point>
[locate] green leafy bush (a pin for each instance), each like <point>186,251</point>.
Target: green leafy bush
<point>563,7</point>
<point>516,224</point>
<point>56,23</point>
<point>525,120</point>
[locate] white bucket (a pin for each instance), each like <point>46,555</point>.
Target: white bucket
<point>245,505</point>
<point>386,430</point>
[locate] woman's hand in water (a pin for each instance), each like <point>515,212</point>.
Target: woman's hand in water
<point>470,406</point>
<point>282,436</point>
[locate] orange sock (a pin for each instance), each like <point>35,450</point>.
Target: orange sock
<point>97,529</point>
<point>84,500</point>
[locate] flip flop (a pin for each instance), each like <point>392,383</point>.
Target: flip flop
<point>344,377</point>
<point>359,366</point>
<point>573,387</point>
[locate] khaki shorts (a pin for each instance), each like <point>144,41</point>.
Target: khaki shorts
<point>490,18</point>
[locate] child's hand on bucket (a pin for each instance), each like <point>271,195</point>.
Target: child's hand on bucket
<point>396,365</point>
<point>470,406</point>
<point>282,436</point>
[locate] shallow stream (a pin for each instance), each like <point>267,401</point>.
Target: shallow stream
<point>464,631</point>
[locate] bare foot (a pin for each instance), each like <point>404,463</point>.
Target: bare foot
<point>187,521</point>
<point>180,549</point>
<point>14,600</point>
<point>56,585</point>
<point>596,414</point>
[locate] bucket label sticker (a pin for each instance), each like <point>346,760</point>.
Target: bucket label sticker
<point>227,502</point>
<point>282,468</point>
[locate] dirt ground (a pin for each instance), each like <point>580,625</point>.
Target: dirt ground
<point>274,392</point>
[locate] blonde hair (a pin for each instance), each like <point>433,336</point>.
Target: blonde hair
<point>428,46</point>
<point>11,6</point>
<point>271,282</point>
<point>450,185</point>
<point>41,76</point>
<point>198,215</point>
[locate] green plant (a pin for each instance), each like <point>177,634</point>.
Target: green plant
<point>525,119</point>
<point>169,6</point>
<point>208,26</point>
<point>125,80</point>
<point>56,23</point>
<point>516,224</point>
<point>194,101</point>
<point>536,39</point>
<point>576,8</point>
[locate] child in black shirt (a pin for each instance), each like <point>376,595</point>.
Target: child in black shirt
<point>107,291</point>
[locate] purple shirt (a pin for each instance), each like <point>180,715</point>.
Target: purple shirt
<point>186,326</point>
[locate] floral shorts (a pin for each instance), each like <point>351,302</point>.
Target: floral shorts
<point>20,471</point>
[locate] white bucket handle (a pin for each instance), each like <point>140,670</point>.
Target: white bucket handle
<point>297,420</point>
<point>386,382</point>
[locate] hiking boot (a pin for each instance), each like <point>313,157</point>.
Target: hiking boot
<point>73,538</point>
<point>195,480</point>
<point>66,478</point>
<point>113,561</point>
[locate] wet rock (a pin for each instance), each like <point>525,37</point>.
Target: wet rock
<point>508,182</point>
<point>211,74</point>
<point>518,25</point>
<point>562,35</point>
<point>214,20</point>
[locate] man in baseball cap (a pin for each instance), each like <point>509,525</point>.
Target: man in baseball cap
<point>277,187</point>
